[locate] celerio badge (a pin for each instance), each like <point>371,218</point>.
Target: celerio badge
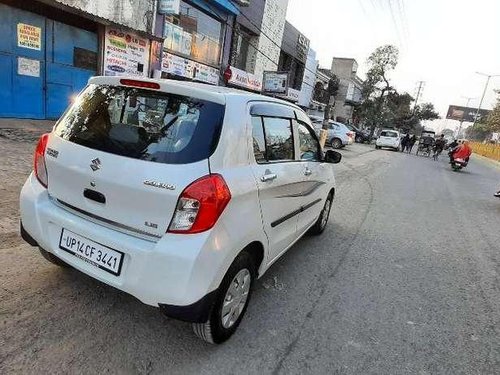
<point>95,164</point>
<point>160,185</point>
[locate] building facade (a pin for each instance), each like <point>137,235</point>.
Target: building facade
<point>309,80</point>
<point>350,88</point>
<point>51,48</point>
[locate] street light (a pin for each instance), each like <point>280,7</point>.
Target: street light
<point>489,76</point>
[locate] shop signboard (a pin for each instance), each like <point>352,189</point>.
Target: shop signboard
<point>291,95</point>
<point>28,67</point>
<point>244,79</point>
<point>125,53</point>
<point>275,82</point>
<point>29,36</point>
<point>190,69</point>
<point>169,6</point>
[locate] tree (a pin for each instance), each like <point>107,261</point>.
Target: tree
<point>479,131</point>
<point>376,86</point>
<point>493,120</point>
<point>426,111</point>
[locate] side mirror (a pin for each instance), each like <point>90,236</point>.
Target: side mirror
<point>333,157</point>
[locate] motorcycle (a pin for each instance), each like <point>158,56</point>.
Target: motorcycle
<point>457,164</point>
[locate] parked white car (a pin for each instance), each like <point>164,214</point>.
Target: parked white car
<point>388,138</point>
<point>339,135</point>
<point>181,194</point>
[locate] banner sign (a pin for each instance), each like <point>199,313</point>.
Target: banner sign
<point>169,6</point>
<point>244,79</point>
<point>275,82</point>
<point>186,68</point>
<point>467,114</point>
<point>125,54</point>
<point>28,67</point>
<point>29,36</point>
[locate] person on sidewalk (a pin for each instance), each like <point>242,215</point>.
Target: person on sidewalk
<point>411,143</point>
<point>405,142</point>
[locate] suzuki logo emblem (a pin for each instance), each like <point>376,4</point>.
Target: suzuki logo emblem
<point>95,164</point>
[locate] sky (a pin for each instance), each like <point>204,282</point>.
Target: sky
<point>441,42</point>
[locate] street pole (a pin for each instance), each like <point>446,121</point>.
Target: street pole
<point>324,129</point>
<point>488,77</point>
<point>419,90</point>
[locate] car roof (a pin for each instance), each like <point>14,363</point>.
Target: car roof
<point>199,90</point>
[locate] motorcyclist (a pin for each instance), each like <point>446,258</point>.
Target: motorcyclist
<point>439,145</point>
<point>463,151</point>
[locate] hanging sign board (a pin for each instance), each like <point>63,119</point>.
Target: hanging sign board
<point>29,36</point>
<point>186,68</point>
<point>125,53</point>
<point>244,79</point>
<point>169,6</point>
<point>275,82</point>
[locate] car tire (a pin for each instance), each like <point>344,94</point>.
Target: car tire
<point>216,329</point>
<point>378,147</point>
<point>358,139</point>
<point>53,259</point>
<point>336,143</point>
<point>320,225</point>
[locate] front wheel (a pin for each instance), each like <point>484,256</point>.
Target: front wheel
<point>320,225</point>
<point>231,302</point>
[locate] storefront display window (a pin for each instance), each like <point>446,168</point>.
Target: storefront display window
<point>194,34</point>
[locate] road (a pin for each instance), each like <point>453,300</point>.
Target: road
<point>405,280</point>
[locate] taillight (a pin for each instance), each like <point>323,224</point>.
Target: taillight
<point>39,160</point>
<point>200,205</point>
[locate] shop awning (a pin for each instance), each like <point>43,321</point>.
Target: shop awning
<point>227,5</point>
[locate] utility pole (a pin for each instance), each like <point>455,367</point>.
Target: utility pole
<point>420,88</point>
<point>462,120</point>
<point>488,77</point>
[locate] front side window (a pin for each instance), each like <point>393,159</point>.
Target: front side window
<point>195,34</point>
<point>143,124</point>
<point>308,144</point>
<point>279,139</point>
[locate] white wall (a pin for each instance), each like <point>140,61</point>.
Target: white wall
<point>273,25</point>
<point>130,13</point>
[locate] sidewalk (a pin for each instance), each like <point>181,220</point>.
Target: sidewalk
<point>24,130</point>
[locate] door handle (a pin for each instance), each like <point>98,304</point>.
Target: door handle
<point>307,172</point>
<point>268,177</point>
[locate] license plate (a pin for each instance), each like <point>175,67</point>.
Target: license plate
<point>91,252</point>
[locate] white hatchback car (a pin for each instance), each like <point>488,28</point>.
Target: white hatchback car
<point>180,194</point>
<point>388,138</point>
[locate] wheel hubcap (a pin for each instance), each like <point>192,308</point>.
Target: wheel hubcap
<point>326,213</point>
<point>236,298</point>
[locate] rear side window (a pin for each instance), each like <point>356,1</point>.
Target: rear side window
<point>143,124</point>
<point>272,139</point>
<point>389,134</point>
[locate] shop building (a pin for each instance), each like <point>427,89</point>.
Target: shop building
<point>292,59</point>
<point>197,40</point>
<point>50,48</point>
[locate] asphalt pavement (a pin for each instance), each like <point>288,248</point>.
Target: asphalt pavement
<point>405,280</point>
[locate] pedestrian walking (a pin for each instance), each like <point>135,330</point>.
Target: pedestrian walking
<point>404,142</point>
<point>411,143</point>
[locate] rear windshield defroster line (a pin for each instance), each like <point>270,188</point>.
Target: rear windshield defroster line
<point>142,124</point>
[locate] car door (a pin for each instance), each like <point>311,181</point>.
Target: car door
<point>314,176</point>
<point>277,173</point>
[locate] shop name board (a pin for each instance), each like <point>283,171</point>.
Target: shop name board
<point>275,82</point>
<point>186,68</point>
<point>125,54</point>
<point>291,95</point>
<point>169,6</point>
<point>244,79</point>
<point>29,36</point>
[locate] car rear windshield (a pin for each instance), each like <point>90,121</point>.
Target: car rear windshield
<point>143,124</point>
<point>389,134</point>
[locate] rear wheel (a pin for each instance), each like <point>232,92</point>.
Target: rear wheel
<point>358,139</point>
<point>231,303</point>
<point>53,259</point>
<point>320,225</point>
<point>336,143</point>
<point>378,147</point>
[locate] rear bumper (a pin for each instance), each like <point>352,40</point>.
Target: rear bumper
<point>178,273</point>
